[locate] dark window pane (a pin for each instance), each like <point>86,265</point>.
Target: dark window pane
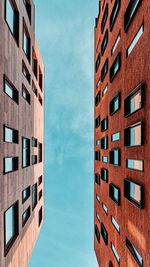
<point>104,124</point>
<point>12,19</point>
<point>115,67</point>
<point>104,19</point>
<point>98,60</point>
<point>25,152</point>
<point>130,13</point>
<point>28,8</point>
<point>134,253</point>
<point>26,42</point>
<point>114,193</point>
<point>25,194</point>
<point>26,72</point>
<point>34,196</point>
<point>40,152</point>
<point>97,155</point>
<point>104,142</point>
<point>97,233</point>
<point>104,43</point>
<point>104,175</point>
<point>104,234</point>
<point>34,159</point>
<point>114,13</point>
<point>25,216</point>
<point>115,157</point>
<point>97,122</point>
<point>25,94</point>
<point>97,99</point>
<point>40,216</point>
<point>115,104</point>
<point>104,70</point>
<point>97,178</point>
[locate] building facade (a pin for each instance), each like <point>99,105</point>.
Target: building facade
<point>21,133</point>
<point>122,133</point>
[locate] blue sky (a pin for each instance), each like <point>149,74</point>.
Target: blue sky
<point>64,31</point>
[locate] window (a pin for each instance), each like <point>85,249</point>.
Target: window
<point>34,142</point>
<point>26,41</point>
<point>97,178</point>
<point>116,44</point>
<point>34,159</point>
<point>134,193</point>
<point>104,43</point>
<point>115,137</point>
<point>104,234</point>
<point>130,13</point>
<point>115,157</point>
<point>98,142</point>
<point>34,64</point>
<point>104,19</point>
<point>104,175</point>
<point>40,194</point>
<point>97,155</point>
<point>12,19</point>
<point>40,216</point>
<point>26,72</point>
<point>110,264</point>
<point>10,164</point>
<point>98,60</point>
<point>135,164</point>
<point>134,253</point>
<point>134,101</point>
<point>40,180</point>
<point>115,67</point>
<point>105,159</point>
<point>104,124</point>
<point>25,94</point>
<point>105,90</point>
<point>98,217</point>
<point>25,216</point>
<point>115,224</point>
<point>40,79</point>
<point>135,40</point>
<point>10,135</point>
<point>115,253</point>
<point>104,208</point>
<point>133,135</point>
<point>34,89</point>
<point>115,104</point>
<point>104,70</point>
<point>97,233</point>
<point>98,83</point>
<point>40,152</point>
<point>11,227</point>
<point>114,193</point>
<point>98,198</point>
<point>104,142</point>
<point>114,14</point>
<point>97,99</point>
<point>28,8</point>
<point>10,90</point>
<point>25,194</point>
<point>25,152</point>
<point>34,196</point>
<point>97,122</point>
<point>40,99</point>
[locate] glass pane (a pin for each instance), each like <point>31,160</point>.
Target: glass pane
<point>135,102</point>
<point>10,15</point>
<point>115,224</point>
<point>8,135</point>
<point>116,157</point>
<point>135,135</point>
<point>135,164</point>
<point>135,192</point>
<point>116,136</point>
<point>116,104</point>
<point>116,196</point>
<point>8,90</point>
<point>8,164</point>
<point>9,224</point>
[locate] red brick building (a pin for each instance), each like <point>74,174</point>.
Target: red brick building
<point>21,133</point>
<point>122,133</point>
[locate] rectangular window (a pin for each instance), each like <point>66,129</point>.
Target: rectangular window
<point>105,159</point>
<point>98,83</point>
<point>34,159</point>
<point>40,194</point>
<point>98,198</point>
<point>40,180</point>
<point>34,64</point>
<point>12,18</point>
<point>134,193</point>
<point>97,122</point>
<point>40,79</point>
<point>97,99</point>
<point>25,194</point>
<point>104,124</point>
<point>34,89</point>
<point>115,224</point>
<point>25,152</point>
<point>40,99</point>
<point>26,42</point>
<point>104,19</point>
<point>10,90</point>
<point>97,178</point>
<point>110,264</point>
<point>104,208</point>
<point>115,104</point>
<point>115,67</point>
<point>114,13</point>
<point>98,217</point>
<point>135,164</point>
<point>34,142</point>
<point>104,142</point>
<point>104,234</point>
<point>116,43</point>
<point>25,216</point>
<point>25,94</point>
<point>11,135</point>
<point>104,43</point>
<point>104,70</point>
<point>40,152</point>
<point>133,135</point>
<point>97,233</point>
<point>115,157</point>
<point>104,175</point>
<point>135,40</point>
<point>114,193</point>
<point>98,60</point>
<point>115,137</point>
<point>134,253</point>
<point>40,216</point>
<point>115,253</point>
<point>98,142</point>
<point>97,155</point>
<point>105,90</point>
<point>26,72</point>
<point>28,8</point>
<point>130,13</point>
<point>34,196</point>
<point>134,101</point>
<point>10,164</point>
<point>11,227</point>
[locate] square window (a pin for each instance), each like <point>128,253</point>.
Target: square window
<point>10,164</point>
<point>11,135</point>
<point>115,137</point>
<point>134,193</point>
